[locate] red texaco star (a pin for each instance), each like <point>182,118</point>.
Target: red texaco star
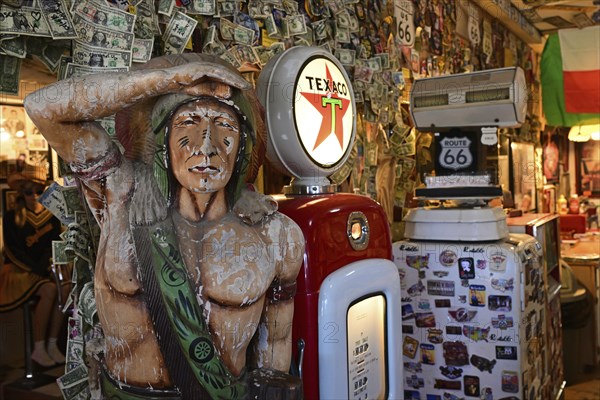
<point>332,108</point>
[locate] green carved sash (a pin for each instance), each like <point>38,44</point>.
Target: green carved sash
<point>186,317</point>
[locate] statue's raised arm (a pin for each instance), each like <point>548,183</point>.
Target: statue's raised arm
<point>65,111</point>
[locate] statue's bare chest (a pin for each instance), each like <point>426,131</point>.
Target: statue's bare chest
<point>228,262</point>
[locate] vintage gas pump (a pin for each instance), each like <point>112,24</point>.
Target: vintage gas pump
<point>347,306</point>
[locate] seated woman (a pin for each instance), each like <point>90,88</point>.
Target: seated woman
<point>28,232</point>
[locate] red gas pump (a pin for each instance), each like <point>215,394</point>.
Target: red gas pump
<point>347,307</point>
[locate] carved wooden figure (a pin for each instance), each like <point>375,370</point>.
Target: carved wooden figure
<point>195,275</point>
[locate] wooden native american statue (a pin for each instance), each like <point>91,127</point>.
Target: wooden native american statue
<point>201,268</point>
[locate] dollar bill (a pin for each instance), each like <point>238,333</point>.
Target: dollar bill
<point>57,16</point>
<point>87,303</point>
<point>210,37</point>
<point>243,35</point>
<point>76,70</point>
<point>74,384</point>
<point>178,33</point>
<point>59,253</point>
<point>23,20</point>
<point>226,8</point>
<point>104,16</point>
<point>320,29</point>
<point>16,47</point>
<point>342,20</point>
<point>98,36</point>
<point>271,26</point>
<point>51,56</point>
<point>11,74</point>
<point>226,28</point>
<point>375,64</point>
<point>245,54</point>
<point>54,201</point>
<point>85,54</point>
<point>165,7</point>
<point>296,24</point>
<point>264,54</point>
<point>62,66</point>
<point>277,48</point>
<point>229,57</point>
<point>346,56</point>
<point>342,35</point>
<point>203,7</point>
<point>142,50</point>
<point>146,22</point>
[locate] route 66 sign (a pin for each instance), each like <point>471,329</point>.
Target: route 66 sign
<point>455,153</point>
<point>403,11</point>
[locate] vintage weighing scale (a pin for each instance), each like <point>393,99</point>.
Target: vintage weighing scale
<point>347,305</point>
<point>473,299</point>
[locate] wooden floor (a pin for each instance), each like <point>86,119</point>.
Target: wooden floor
<point>589,390</point>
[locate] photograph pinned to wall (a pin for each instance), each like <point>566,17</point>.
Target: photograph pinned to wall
<point>523,175</point>
<point>9,199</point>
<point>20,141</point>
<point>588,168</point>
<point>551,156</point>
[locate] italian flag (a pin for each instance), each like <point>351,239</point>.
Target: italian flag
<point>570,72</point>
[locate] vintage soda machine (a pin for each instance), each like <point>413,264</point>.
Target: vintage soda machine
<point>347,305</point>
<point>473,295</point>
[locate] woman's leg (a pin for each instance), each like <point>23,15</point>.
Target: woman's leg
<point>41,315</point>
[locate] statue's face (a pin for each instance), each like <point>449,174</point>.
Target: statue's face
<point>203,143</point>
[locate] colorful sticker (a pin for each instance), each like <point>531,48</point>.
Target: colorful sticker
<point>455,353</point>
<point>409,346</point>
<point>510,382</point>
<point>440,288</point>
<point>486,394</point>
<point>415,382</point>
<point>444,384</point>
<point>506,352</point>
<point>427,353</point>
<point>481,264</point>
<point>500,303</point>
<point>434,397</point>
<point>411,366</point>
<point>418,262</point>
<point>462,314</point>
<point>435,335</point>
<point>416,289</point>
<point>503,285</point>
<point>407,312</point>
<point>498,262</point>
<point>454,330</point>
<point>477,295</point>
<point>502,322</point>
<point>471,385</point>
<point>447,258</point>
<point>476,333</point>
<point>466,268</point>
<point>482,363</point>
<point>412,395</point>
<point>424,304</point>
<point>407,329</point>
<point>464,283</point>
<point>425,320</point>
<point>451,372</point>
<point>442,303</point>
<point>462,299</point>
<point>441,274</point>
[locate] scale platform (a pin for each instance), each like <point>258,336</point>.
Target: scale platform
<point>484,193</point>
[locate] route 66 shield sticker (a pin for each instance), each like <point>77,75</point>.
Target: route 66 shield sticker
<point>455,153</point>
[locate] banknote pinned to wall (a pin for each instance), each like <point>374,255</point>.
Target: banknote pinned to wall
<point>58,18</point>
<point>98,36</point>
<point>23,21</point>
<point>11,73</point>
<point>142,50</point>
<point>85,54</point>
<point>107,17</point>
<point>178,33</point>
